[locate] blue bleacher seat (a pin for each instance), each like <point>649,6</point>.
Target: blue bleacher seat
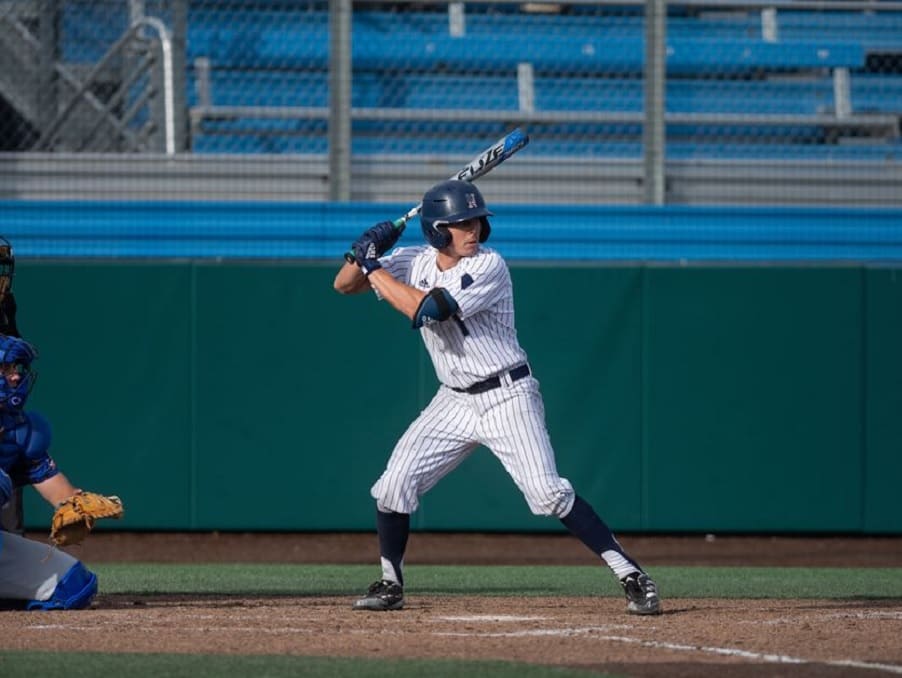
<point>274,40</point>
<point>495,92</point>
<point>689,95</point>
<point>587,62</point>
<point>548,147</point>
<point>876,93</point>
<point>875,31</point>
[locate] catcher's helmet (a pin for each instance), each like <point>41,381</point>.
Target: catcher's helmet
<point>16,356</point>
<point>451,202</point>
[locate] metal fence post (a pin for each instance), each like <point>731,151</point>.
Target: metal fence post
<point>340,67</point>
<point>653,136</point>
<point>179,71</point>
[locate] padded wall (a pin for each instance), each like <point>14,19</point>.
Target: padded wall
<point>746,399</point>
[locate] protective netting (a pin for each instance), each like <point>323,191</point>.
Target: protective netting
<point>252,76</point>
<point>339,114</point>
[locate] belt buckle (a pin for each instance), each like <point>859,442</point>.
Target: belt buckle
<point>522,371</point>
<point>506,378</point>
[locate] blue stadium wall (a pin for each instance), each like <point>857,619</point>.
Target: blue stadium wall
<point>704,369</point>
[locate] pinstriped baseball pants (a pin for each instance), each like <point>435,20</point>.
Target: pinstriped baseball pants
<point>509,421</point>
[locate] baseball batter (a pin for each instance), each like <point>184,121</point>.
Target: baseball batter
<point>458,294</point>
<point>33,575</point>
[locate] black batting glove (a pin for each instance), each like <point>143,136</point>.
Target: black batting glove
<point>384,235</point>
<point>366,254</point>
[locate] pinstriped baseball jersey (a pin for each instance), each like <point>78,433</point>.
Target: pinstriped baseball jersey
<point>482,340</point>
<point>488,395</point>
<point>509,419</point>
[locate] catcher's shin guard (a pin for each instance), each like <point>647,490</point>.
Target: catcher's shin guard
<point>75,591</point>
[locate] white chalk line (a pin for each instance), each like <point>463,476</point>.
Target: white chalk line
<point>282,630</point>
<point>565,632</point>
<point>723,651</point>
<point>895,615</point>
<point>489,618</point>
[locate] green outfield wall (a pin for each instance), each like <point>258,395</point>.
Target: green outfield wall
<point>253,397</point>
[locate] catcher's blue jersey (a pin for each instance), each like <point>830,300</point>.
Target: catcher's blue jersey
<point>24,450</point>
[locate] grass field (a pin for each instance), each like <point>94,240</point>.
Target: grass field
<point>498,580</point>
<point>204,580</point>
<point>91,665</point>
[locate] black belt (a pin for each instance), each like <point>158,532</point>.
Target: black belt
<point>493,382</point>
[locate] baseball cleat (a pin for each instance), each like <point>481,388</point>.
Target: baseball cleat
<point>382,595</point>
<point>641,594</point>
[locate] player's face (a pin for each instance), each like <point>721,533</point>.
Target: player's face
<point>12,372</point>
<point>465,237</point>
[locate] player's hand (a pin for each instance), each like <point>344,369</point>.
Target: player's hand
<point>373,243</point>
<point>384,235</point>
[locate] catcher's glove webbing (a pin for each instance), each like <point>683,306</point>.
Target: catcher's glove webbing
<point>75,517</point>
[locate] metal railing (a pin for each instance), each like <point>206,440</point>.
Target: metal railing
<point>103,123</point>
<point>107,112</point>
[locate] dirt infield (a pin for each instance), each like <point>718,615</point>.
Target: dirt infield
<point>489,549</point>
<point>699,637</point>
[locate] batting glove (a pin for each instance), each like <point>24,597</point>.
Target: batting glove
<point>384,234</point>
<point>366,254</point>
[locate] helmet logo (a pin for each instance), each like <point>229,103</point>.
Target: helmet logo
<point>471,201</point>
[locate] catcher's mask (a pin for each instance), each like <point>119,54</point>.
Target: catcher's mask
<point>16,356</point>
<point>7,267</point>
<point>452,202</point>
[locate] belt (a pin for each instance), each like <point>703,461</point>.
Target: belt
<point>493,382</point>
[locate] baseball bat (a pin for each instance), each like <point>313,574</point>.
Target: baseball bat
<point>479,166</point>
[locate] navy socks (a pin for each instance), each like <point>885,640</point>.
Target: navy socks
<point>591,530</point>
<point>393,529</point>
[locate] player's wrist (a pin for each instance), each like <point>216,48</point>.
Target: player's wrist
<point>369,265</point>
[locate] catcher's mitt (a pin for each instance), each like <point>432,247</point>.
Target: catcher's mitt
<point>75,517</point>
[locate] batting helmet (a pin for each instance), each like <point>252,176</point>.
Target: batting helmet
<point>451,202</point>
<point>16,356</point>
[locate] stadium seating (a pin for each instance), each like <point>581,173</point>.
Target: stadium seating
<point>400,144</point>
<point>874,31</point>
<point>385,43</point>
<point>811,96</point>
<point>732,91</point>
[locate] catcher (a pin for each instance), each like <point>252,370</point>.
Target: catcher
<point>32,575</point>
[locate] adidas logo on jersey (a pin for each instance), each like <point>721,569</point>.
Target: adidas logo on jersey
<point>423,283</point>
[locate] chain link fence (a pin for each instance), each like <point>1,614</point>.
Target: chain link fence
<point>84,76</point>
<point>782,82</point>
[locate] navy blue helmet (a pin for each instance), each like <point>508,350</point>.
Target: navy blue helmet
<point>16,356</point>
<point>451,202</point>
